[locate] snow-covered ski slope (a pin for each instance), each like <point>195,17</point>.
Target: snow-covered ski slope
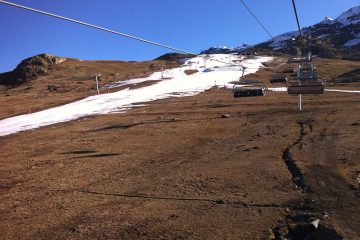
<point>213,70</point>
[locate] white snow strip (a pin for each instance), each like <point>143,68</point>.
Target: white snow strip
<point>180,85</point>
<point>343,91</point>
<point>278,89</point>
<point>352,42</point>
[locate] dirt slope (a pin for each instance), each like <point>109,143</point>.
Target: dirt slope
<point>178,169</point>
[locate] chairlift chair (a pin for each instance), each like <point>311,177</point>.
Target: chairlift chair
<point>299,60</point>
<point>304,75</point>
<point>279,77</point>
<point>305,86</point>
<point>288,70</point>
<point>307,69</point>
<point>249,88</point>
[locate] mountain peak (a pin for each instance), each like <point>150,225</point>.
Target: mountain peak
<point>328,21</point>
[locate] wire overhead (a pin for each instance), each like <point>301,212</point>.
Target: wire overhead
<point>262,25</point>
<point>123,34</point>
<point>297,17</point>
<point>96,27</point>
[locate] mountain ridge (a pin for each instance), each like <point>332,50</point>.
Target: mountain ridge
<point>333,38</point>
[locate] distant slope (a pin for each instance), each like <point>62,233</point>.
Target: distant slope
<point>334,38</point>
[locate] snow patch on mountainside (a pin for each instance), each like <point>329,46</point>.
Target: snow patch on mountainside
<point>352,42</point>
<point>352,16</point>
<point>277,42</point>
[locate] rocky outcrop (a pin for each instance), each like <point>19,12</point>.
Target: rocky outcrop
<point>174,57</point>
<point>30,69</point>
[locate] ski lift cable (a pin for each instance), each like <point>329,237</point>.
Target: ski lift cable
<point>96,27</point>
<point>297,17</point>
<point>100,28</point>
<point>257,20</point>
<point>265,29</point>
<point>104,29</point>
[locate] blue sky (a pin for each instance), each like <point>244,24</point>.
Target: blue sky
<point>191,25</point>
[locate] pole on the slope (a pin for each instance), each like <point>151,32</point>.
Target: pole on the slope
<point>97,79</point>
<point>299,108</point>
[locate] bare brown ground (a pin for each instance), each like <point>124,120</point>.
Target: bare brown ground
<point>177,169</point>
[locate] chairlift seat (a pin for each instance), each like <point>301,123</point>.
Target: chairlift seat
<point>299,60</point>
<point>289,70</point>
<point>307,69</point>
<point>305,86</point>
<point>278,78</point>
<point>306,89</point>
<point>308,75</point>
<point>249,92</point>
<point>252,88</point>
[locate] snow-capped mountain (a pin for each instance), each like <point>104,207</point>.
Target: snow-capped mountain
<point>328,38</point>
<point>343,31</point>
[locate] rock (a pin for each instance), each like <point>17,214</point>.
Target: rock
<point>315,223</point>
<point>30,69</point>
<point>225,116</point>
<point>174,57</point>
<point>303,230</point>
<point>173,216</point>
<point>220,201</point>
<point>52,88</point>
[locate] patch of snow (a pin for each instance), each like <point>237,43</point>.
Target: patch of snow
<point>343,91</point>
<point>322,36</point>
<point>352,16</point>
<point>225,47</point>
<point>180,85</point>
<point>277,42</point>
<point>357,35</point>
<point>328,21</point>
<point>278,89</point>
<point>352,42</point>
<point>284,89</point>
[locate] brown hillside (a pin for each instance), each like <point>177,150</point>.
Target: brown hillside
<point>203,167</point>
